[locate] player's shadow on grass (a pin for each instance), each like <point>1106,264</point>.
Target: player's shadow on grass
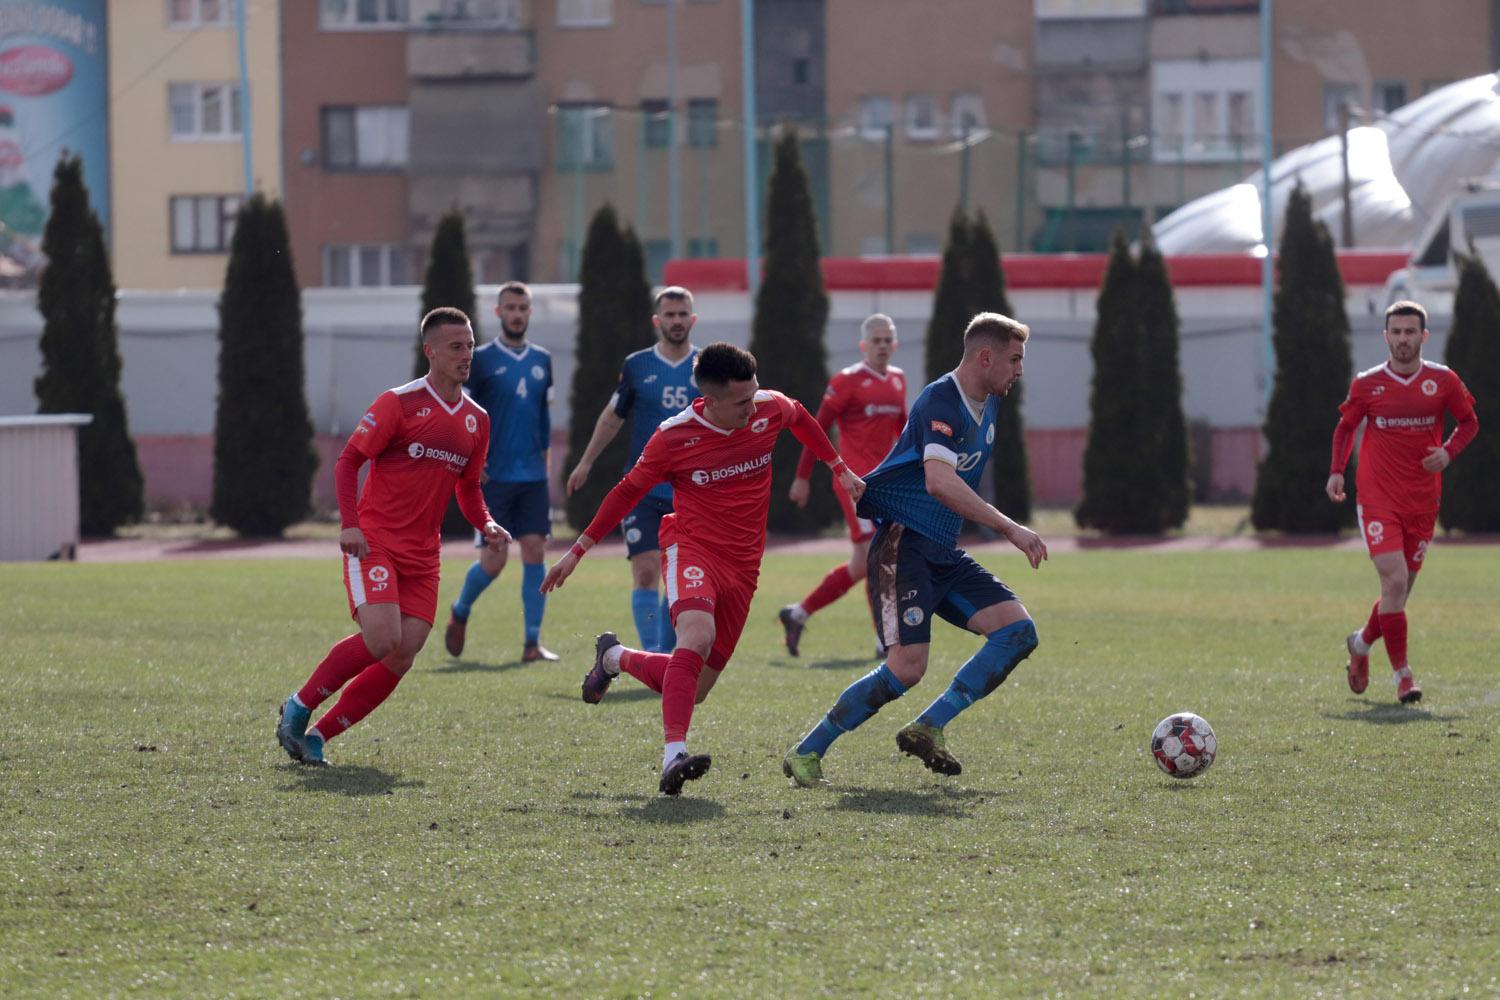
<point>644,807</point>
<point>949,803</point>
<point>348,779</point>
<point>477,667</point>
<point>845,663</point>
<point>1391,714</point>
<point>634,693</point>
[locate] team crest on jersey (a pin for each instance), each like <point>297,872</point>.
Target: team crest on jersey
<point>692,573</point>
<point>760,424</point>
<point>538,373</point>
<point>471,424</point>
<point>633,535</point>
<point>1376,530</point>
<point>942,428</point>
<point>896,382</point>
<point>423,412</point>
<point>1429,387</point>
<point>415,449</point>
<point>912,616</point>
<point>379,574</point>
<point>989,435</point>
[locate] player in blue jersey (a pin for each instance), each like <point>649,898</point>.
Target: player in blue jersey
<point>512,380</point>
<point>655,383</point>
<point>919,497</point>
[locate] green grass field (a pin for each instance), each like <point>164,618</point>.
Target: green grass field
<point>488,834</point>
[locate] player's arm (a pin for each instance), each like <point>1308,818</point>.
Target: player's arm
<point>1461,405</point>
<point>1351,411</point>
<point>371,436</point>
<point>471,498</point>
<point>946,487</point>
<point>605,429</point>
<point>828,414</point>
<point>812,435</point>
<point>651,468</point>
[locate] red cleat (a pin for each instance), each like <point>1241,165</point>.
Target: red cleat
<point>1407,691</point>
<point>1359,666</point>
<point>453,635</point>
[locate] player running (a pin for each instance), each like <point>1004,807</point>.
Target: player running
<point>425,441</point>
<point>654,384</point>
<point>919,497</point>
<point>512,380</point>
<point>717,456</point>
<point>867,402</point>
<point>1399,479</point>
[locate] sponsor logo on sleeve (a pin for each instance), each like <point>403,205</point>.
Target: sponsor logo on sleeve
<point>369,418</point>
<point>423,412</point>
<point>942,428</point>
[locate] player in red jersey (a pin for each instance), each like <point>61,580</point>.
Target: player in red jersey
<point>867,402</point>
<point>425,441</point>
<point>1401,461</point>
<point>717,456</point>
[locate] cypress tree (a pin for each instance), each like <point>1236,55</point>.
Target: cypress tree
<point>1112,474</point>
<point>791,311</point>
<point>1313,370</point>
<point>449,280</point>
<point>263,456</point>
<point>953,301</point>
<point>1471,501</point>
<point>614,319</point>
<point>1160,395</point>
<point>81,357</point>
<point>1008,465</point>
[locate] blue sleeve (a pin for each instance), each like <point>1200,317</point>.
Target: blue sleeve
<point>624,392</point>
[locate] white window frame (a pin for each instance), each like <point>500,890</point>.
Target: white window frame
<point>198,94</point>
<point>872,125</point>
<point>343,15</point>
<point>197,20</point>
<point>1198,86</point>
<point>356,252</point>
<point>967,104</point>
<point>392,120</point>
<point>596,133</point>
<point>585,13</point>
<point>225,209</point>
<point>914,105</point>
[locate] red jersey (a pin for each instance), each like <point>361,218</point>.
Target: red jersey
<point>721,479</point>
<point>1404,420</point>
<point>420,447</point>
<point>869,409</point>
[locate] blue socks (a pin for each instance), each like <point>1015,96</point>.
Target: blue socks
<point>668,635</point>
<point>533,601</point>
<point>984,672</point>
<point>643,607</point>
<point>474,583</point>
<point>859,702</point>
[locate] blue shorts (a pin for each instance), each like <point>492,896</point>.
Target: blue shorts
<point>641,525</point>
<point>519,508</point>
<point>911,578</point>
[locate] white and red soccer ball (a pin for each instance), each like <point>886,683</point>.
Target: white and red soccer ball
<point>1184,745</point>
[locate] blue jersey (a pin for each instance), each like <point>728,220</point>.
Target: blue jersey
<point>651,390</point>
<point>942,425</point>
<point>515,389</point>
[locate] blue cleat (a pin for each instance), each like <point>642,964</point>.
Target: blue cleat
<point>291,727</point>
<point>312,751</point>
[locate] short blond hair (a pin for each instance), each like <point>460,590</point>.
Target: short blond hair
<point>993,330</point>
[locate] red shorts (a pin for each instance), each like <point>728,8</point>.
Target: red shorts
<point>1385,530</point>
<point>381,578</point>
<point>860,530</point>
<point>696,582</point>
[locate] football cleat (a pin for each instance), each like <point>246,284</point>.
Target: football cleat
<point>598,679</point>
<point>927,743</point>
<point>683,769</point>
<point>1359,666</point>
<point>535,652</point>
<point>291,726</point>
<point>792,627</point>
<point>312,751</point>
<point>806,769</point>
<point>453,635</point>
<point>1407,691</point>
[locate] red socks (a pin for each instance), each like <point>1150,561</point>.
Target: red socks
<point>835,585</point>
<point>1393,630</point>
<point>346,659</point>
<point>648,668</point>
<point>679,693</point>
<point>1371,630</point>
<point>373,686</point>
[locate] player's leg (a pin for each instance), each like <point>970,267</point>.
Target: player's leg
<point>896,569</point>
<point>534,521</point>
<point>501,499</point>
<point>657,510</point>
<point>1398,574</point>
<point>373,685</point>
<point>695,639</point>
<point>646,666</point>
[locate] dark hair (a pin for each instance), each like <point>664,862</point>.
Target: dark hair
<point>721,363</point>
<point>674,292</point>
<point>515,288</point>
<point>443,316</point>
<point>995,330</point>
<point>1406,307</point>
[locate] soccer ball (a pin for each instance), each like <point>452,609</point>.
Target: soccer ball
<point>1184,745</point>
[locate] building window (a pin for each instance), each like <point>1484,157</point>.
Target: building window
<point>585,137</point>
<point>1389,95</point>
<point>1241,118</point>
<point>584,13</point>
<point>921,116</point>
<point>703,122</point>
<point>1169,120</point>
<point>345,15</point>
<point>801,70</point>
<point>919,244</point>
<point>373,137</point>
<point>1336,95</point>
<point>1207,132</point>
<point>968,114</point>
<point>368,265</point>
<point>1203,111</point>
<point>873,246</point>
<point>656,125</point>
<point>204,111</point>
<point>203,223</point>
<point>874,117</point>
<point>198,13</point>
